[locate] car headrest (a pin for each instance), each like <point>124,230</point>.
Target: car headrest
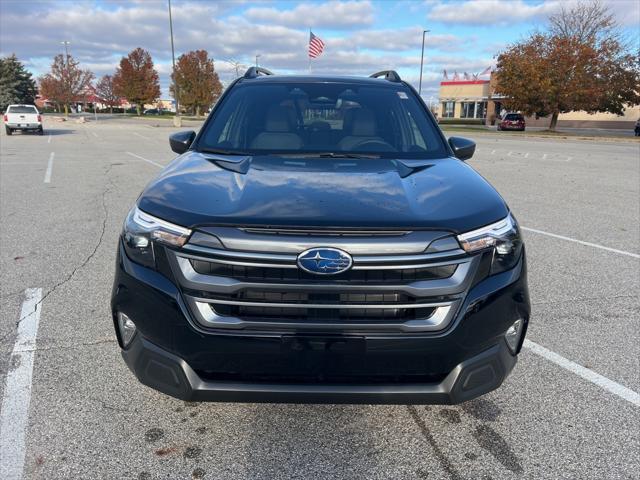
<point>277,119</point>
<point>364,123</point>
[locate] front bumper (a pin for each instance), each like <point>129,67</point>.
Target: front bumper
<point>172,354</point>
<point>170,374</point>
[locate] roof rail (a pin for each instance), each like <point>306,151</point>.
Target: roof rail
<point>253,72</point>
<point>390,75</point>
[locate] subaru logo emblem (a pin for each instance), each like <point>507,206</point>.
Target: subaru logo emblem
<point>324,261</point>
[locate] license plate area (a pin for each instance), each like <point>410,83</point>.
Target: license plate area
<point>323,344</point>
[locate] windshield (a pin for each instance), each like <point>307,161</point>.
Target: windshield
<point>22,109</point>
<point>321,117</point>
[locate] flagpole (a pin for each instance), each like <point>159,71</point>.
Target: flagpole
<point>309,56</point>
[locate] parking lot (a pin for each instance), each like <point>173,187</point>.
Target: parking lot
<point>569,410</point>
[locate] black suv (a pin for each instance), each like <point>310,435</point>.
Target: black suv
<point>319,240</point>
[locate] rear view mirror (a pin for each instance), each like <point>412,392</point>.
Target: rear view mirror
<point>463,148</point>
<point>181,141</point>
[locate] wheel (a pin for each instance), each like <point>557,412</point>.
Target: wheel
<point>8,130</point>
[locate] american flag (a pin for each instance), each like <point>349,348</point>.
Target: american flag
<point>316,46</point>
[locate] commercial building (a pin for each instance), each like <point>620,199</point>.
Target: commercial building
<point>475,101</point>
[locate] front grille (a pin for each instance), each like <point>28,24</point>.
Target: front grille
<point>264,290</point>
<point>279,274</point>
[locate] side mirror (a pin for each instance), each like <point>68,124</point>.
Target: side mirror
<point>463,148</point>
<point>181,141</point>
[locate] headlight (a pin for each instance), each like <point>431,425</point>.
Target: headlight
<point>503,237</point>
<point>140,232</point>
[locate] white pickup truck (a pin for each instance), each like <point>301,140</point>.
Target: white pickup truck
<point>22,117</point>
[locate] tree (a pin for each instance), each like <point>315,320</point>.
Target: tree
<point>106,92</point>
<point>581,64</point>
<point>66,83</point>
<point>198,83</point>
<point>136,79</point>
<point>16,83</point>
<point>586,21</point>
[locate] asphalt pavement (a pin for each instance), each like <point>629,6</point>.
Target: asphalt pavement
<point>569,410</point>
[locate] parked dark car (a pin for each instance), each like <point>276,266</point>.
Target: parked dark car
<point>320,240</point>
<point>512,121</point>
<point>152,111</point>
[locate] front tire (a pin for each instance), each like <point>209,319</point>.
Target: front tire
<point>8,130</point>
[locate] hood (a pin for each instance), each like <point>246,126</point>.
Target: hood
<point>195,190</point>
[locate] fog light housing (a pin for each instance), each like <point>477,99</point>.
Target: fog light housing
<point>512,336</point>
<point>127,329</point>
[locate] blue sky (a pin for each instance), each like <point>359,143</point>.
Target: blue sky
<point>361,36</point>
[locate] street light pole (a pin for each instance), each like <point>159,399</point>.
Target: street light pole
<point>424,32</point>
<point>173,60</point>
<point>66,44</point>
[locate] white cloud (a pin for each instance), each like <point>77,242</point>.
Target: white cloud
<point>333,15</point>
<point>396,40</point>
<point>491,12</point>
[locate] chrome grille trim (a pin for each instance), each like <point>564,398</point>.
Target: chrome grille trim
<point>204,310</point>
<point>332,306</point>
<point>189,278</point>
<point>360,262</point>
<point>239,240</point>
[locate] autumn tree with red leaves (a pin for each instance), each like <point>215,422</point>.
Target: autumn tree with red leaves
<point>105,90</point>
<point>580,64</point>
<point>136,79</point>
<point>66,83</point>
<point>198,83</point>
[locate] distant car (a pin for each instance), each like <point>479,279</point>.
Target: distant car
<point>637,129</point>
<point>24,118</point>
<point>152,111</point>
<point>512,121</point>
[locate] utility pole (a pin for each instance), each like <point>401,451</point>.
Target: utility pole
<point>177,121</point>
<point>424,32</point>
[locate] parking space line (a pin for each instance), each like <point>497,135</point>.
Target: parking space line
<point>593,377</point>
<point>581,242</point>
<point>14,416</point>
<point>145,160</point>
<point>49,139</point>
<point>142,136</point>
<point>47,174</point>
